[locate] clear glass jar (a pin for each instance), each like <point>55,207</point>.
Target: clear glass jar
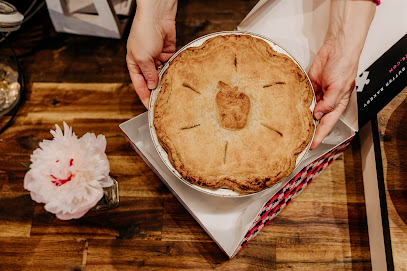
<point>10,87</point>
<point>110,199</point>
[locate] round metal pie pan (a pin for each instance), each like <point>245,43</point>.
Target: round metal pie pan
<point>221,192</point>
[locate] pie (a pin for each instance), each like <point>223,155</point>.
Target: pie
<point>233,113</point>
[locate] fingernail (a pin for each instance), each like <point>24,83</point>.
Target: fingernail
<point>318,115</point>
<point>150,85</point>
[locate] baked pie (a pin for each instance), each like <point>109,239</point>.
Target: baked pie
<point>233,113</point>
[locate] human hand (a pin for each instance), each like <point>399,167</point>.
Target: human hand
<point>335,66</point>
<point>332,76</point>
<point>151,42</point>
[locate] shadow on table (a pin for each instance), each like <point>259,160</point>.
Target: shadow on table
<point>395,149</point>
<point>357,218</point>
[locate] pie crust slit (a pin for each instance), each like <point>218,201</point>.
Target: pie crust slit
<point>272,129</point>
<point>226,149</point>
<point>191,88</point>
<point>190,127</point>
<point>273,84</point>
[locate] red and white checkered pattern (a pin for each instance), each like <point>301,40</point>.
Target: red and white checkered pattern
<point>294,187</point>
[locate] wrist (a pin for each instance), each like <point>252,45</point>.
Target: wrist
<point>156,10</point>
<point>349,24</point>
<point>348,50</point>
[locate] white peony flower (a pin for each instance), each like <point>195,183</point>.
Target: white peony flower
<point>68,174</point>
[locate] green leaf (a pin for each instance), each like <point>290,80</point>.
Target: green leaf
<point>26,165</point>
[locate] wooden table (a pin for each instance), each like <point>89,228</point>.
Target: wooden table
<point>393,143</point>
<point>84,81</point>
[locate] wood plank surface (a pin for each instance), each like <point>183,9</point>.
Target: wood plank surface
<point>393,141</point>
<point>84,81</point>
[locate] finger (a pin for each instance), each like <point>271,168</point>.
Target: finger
<point>165,56</point>
<point>315,86</point>
<point>319,95</point>
<point>328,103</point>
<point>312,74</point>
<point>142,91</point>
<point>326,124</point>
<point>158,63</point>
<point>317,91</point>
<point>139,84</point>
<point>170,40</point>
<point>315,71</point>
<point>169,44</point>
<point>147,67</point>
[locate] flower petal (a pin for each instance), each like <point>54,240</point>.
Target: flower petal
<point>68,216</point>
<point>106,181</point>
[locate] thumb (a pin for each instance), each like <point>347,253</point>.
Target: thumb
<point>149,71</point>
<point>328,103</point>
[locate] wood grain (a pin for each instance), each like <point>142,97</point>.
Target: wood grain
<point>41,254</point>
<point>393,141</point>
<point>84,81</point>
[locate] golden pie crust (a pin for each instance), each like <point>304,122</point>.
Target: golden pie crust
<point>233,113</point>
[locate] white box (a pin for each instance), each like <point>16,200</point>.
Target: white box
<point>299,27</point>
